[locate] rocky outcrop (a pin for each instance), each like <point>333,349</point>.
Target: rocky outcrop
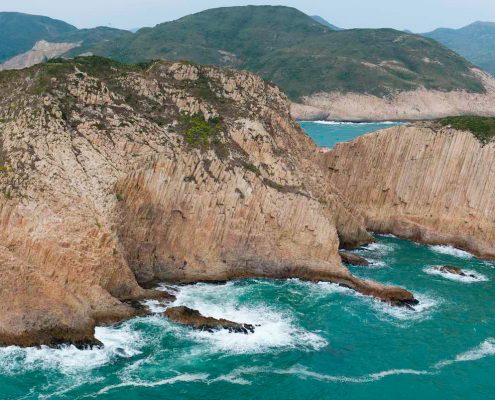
<point>419,104</point>
<point>114,177</point>
<point>453,270</point>
<point>192,318</point>
<point>42,51</point>
<point>352,259</point>
<point>421,182</point>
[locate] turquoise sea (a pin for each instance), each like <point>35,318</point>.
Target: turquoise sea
<point>315,341</point>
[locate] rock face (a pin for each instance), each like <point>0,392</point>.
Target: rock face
<point>112,177</point>
<point>419,104</point>
<point>420,182</point>
<point>352,259</point>
<point>186,316</point>
<point>43,50</point>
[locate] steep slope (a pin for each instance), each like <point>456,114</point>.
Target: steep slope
<point>114,176</point>
<point>20,32</point>
<point>69,44</point>
<point>323,21</point>
<point>427,182</point>
<point>476,42</point>
<point>311,62</point>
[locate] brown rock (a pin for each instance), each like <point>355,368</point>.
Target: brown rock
<point>451,270</point>
<point>186,316</point>
<point>431,185</point>
<point>352,259</point>
<point>104,186</point>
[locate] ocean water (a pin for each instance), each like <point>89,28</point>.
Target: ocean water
<point>327,133</point>
<point>314,341</point>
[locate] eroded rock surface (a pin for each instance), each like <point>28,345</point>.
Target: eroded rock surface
<point>352,259</point>
<point>453,270</point>
<point>115,177</point>
<point>421,182</point>
<point>186,316</point>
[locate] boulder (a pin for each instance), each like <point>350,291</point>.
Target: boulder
<point>352,259</point>
<point>186,316</point>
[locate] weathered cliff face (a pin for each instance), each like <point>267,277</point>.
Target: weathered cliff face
<point>419,104</point>
<point>421,182</point>
<point>42,51</point>
<point>113,176</point>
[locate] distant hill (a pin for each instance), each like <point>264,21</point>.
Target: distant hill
<point>87,38</point>
<point>301,55</point>
<point>326,23</point>
<point>20,32</point>
<point>476,42</point>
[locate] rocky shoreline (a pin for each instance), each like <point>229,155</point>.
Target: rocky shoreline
<point>114,177</point>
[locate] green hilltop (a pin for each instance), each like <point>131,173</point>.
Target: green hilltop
<point>476,42</point>
<point>301,55</point>
<point>20,32</point>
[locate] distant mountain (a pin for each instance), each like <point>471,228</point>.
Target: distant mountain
<point>69,44</point>
<point>301,55</point>
<point>408,31</point>
<point>87,38</point>
<point>326,23</point>
<point>20,32</point>
<point>134,30</point>
<point>476,42</point>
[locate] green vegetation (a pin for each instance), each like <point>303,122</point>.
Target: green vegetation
<point>481,127</point>
<point>476,42</point>
<point>119,197</point>
<point>252,168</point>
<point>301,55</point>
<point>199,132</point>
<point>20,32</point>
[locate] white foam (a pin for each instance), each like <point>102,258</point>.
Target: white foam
<point>485,349</point>
<point>119,342</point>
<point>380,248</point>
<point>170,381</point>
<point>155,306</point>
<point>299,371</point>
<point>451,251</point>
<point>471,276</point>
<point>275,329</point>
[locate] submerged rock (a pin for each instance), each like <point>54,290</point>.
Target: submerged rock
<point>453,270</point>
<point>352,259</point>
<point>186,316</point>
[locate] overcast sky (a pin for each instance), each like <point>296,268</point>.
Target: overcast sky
<point>416,15</point>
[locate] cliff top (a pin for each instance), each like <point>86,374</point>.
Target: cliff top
<point>482,128</point>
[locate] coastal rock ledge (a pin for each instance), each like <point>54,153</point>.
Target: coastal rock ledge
<point>115,177</point>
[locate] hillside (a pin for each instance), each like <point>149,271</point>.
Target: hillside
<point>323,21</point>
<point>300,55</point>
<point>70,44</point>
<point>20,32</point>
<point>476,42</point>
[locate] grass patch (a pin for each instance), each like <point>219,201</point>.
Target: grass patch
<point>483,128</point>
<point>199,132</point>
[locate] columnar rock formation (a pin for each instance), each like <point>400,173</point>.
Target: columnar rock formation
<point>413,105</point>
<point>422,182</point>
<point>115,176</point>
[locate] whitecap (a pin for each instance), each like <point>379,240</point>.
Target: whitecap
<point>275,329</point>
<point>485,349</point>
<point>380,248</point>
<point>299,371</point>
<point>471,275</point>
<point>169,381</point>
<point>451,251</point>
<point>118,342</point>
